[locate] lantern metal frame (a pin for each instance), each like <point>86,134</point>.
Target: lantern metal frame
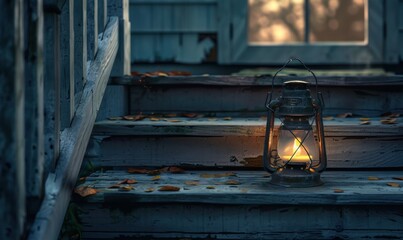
<point>297,104</point>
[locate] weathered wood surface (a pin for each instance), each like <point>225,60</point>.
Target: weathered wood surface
<point>74,139</point>
<point>92,29</point>
<point>238,151</point>
<point>12,145</point>
<point>114,103</point>
<point>80,48</point>
<point>213,221</point>
<point>181,126</point>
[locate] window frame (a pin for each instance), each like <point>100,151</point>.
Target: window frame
<point>234,47</point>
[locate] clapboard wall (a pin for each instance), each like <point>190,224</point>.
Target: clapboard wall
<point>187,31</point>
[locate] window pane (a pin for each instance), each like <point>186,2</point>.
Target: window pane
<point>276,21</point>
<point>338,20</point>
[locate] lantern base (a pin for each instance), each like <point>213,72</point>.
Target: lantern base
<point>295,177</point>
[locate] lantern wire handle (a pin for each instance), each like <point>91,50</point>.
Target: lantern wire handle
<point>285,65</point>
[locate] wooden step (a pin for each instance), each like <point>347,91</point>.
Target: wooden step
<point>235,205</point>
<point>236,143</point>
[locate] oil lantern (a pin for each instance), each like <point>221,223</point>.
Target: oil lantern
<point>295,154</point>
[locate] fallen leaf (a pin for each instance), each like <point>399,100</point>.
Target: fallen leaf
<point>365,122</point>
<point>115,118</point>
<point>137,170</point>
<point>154,172</point>
<point>169,188</point>
<point>172,169</point>
<point>149,190</point>
<point>393,184</point>
<point>217,175</point>
<point>338,191</point>
<point>126,188</point>
<point>365,119</point>
<point>174,120</point>
<point>398,178</point>
<point>232,182</point>
<point>345,115</point>
<point>156,178</point>
<point>85,191</point>
<point>154,119</point>
<point>328,118</point>
<point>192,183</point>
<point>227,118</point>
<point>134,117</point>
<point>210,187</point>
<point>189,115</point>
<point>128,181</point>
<point>389,121</point>
<point>114,186</point>
<point>179,73</point>
<point>372,178</point>
<point>170,115</point>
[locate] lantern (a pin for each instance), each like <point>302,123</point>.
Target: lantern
<point>296,155</point>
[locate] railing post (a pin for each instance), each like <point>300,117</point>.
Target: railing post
<point>67,65</point>
<point>102,14</point>
<point>80,47</point>
<point>92,29</point>
<point>12,149</point>
<point>120,8</point>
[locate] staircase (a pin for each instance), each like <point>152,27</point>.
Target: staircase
<point>184,162</point>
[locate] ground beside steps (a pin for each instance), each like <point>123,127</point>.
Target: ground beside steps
<point>242,205</point>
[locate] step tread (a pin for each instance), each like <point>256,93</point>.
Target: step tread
<point>237,127</point>
<point>253,188</point>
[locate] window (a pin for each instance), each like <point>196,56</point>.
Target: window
<point>317,31</point>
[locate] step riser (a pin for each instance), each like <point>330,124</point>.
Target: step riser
<point>234,101</point>
<point>186,220</point>
<point>236,151</point>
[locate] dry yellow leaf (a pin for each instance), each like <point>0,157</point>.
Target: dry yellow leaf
<point>328,118</point>
<point>134,117</point>
<point>365,122</point>
<point>393,184</point>
<point>227,118</point>
<point>126,188</point>
<point>232,182</point>
<point>128,181</point>
<point>174,120</point>
<point>169,188</point>
<point>154,119</point>
<point>149,190</point>
<point>192,183</point>
<point>389,121</point>
<point>372,178</point>
<point>156,178</point>
<point>85,191</point>
<point>338,190</point>
<point>365,119</point>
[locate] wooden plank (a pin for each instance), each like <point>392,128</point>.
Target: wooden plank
<point>74,140</point>
<point>248,101</point>
<point>120,9</point>
<point>264,80</point>
<point>135,2</point>
<point>80,48</point>
<point>239,151</point>
<point>67,81</point>
<point>206,221</point>
<point>114,103</point>
<point>252,188</point>
<point>92,28</point>
<point>12,145</point>
<point>102,14</point>
<point>224,31</point>
<point>34,106</point>
<point>392,32</point>
<point>52,60</point>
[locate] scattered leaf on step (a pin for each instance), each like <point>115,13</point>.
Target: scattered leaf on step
<point>115,118</point>
<point>192,183</point>
<point>134,117</point>
<point>232,182</point>
<point>114,186</point>
<point>338,190</point>
<point>227,118</point>
<point>85,191</point>
<point>210,187</point>
<point>189,115</point>
<point>328,118</point>
<point>169,188</point>
<point>393,184</point>
<point>398,178</point>
<point>389,121</point>
<point>365,122</point>
<point>172,169</point>
<point>154,119</point>
<point>170,115</point>
<point>365,119</point>
<point>345,115</point>
<point>372,178</point>
<point>126,188</point>
<point>128,181</point>
<point>217,175</point>
<point>137,170</point>
<point>149,190</point>
<point>154,172</point>
<point>174,120</point>
<point>179,73</point>
<point>156,178</point>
